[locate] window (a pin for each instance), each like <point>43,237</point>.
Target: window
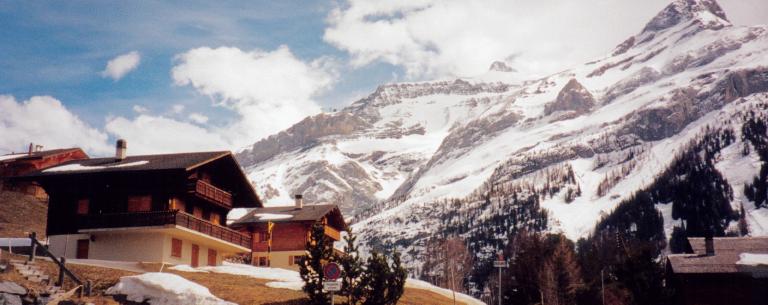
<point>212,257</point>
<point>82,207</point>
<point>294,260</point>
<point>197,212</point>
<point>216,218</point>
<point>261,237</point>
<point>139,203</point>
<point>207,215</point>
<point>177,204</point>
<point>176,247</point>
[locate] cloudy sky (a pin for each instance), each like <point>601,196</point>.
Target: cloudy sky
<point>180,76</point>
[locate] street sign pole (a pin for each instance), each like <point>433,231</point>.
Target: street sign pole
<point>500,263</point>
<point>331,273</point>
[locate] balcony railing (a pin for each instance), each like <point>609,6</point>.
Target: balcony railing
<point>161,218</point>
<point>214,194</point>
<point>333,233</point>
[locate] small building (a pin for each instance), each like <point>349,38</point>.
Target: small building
<point>35,159</point>
<point>721,271</point>
<point>290,232</point>
<point>167,208</point>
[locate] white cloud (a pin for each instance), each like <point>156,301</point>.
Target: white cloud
<point>148,134</point>
<point>437,38</point>
<point>198,118</point>
<point>140,109</point>
<point>177,108</point>
<point>269,90</point>
<point>45,121</point>
<point>121,65</point>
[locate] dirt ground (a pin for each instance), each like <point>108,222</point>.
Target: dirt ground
<point>239,289</point>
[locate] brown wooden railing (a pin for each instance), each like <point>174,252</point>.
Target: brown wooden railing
<point>207,191</point>
<point>161,218</point>
<point>333,233</point>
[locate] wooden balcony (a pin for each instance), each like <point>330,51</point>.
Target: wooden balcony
<point>332,233</point>
<point>211,193</point>
<point>162,218</point>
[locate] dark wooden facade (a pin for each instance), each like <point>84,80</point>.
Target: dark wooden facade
<point>195,193</point>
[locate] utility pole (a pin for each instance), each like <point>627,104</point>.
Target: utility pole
<point>500,263</point>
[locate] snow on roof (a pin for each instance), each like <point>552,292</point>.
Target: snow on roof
<point>753,259</point>
<point>11,156</point>
<point>79,167</point>
<point>164,289</point>
<point>271,216</point>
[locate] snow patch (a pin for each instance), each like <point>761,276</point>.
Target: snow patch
<point>164,289</point>
<point>271,216</point>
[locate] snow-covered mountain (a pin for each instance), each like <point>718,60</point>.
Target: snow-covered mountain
<point>587,137</point>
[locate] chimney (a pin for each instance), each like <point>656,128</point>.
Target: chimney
<point>31,148</point>
<point>299,201</point>
<point>120,147</point>
<point>709,245</point>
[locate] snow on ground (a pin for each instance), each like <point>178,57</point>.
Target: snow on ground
<point>753,259</point>
<point>164,289</point>
<point>284,278</point>
<point>419,284</point>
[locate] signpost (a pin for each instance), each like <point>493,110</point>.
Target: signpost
<point>500,263</point>
<point>331,273</point>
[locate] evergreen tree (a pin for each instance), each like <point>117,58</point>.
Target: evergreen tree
<point>396,282</point>
<point>375,279</point>
<point>319,249</point>
<point>352,270</point>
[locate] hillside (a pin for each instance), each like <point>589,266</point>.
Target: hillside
<point>21,214</point>
<point>483,157</point>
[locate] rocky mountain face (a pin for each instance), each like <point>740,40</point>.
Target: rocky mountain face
<point>482,159</point>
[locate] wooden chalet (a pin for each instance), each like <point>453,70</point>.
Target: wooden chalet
<point>33,160</point>
<point>290,231</point>
<point>168,208</point>
<point>715,272</point>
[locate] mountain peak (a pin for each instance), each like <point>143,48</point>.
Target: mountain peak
<point>501,66</point>
<point>708,12</point>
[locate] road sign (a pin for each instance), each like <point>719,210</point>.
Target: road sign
<point>500,264</point>
<point>332,286</point>
<point>332,271</point>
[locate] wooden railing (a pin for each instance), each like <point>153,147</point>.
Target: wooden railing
<point>83,288</point>
<point>161,218</point>
<point>207,191</point>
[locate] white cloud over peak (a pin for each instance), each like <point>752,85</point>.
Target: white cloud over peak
<point>440,38</point>
<point>45,121</point>
<point>269,90</point>
<point>121,65</point>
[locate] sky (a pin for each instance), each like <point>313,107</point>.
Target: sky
<point>172,76</point>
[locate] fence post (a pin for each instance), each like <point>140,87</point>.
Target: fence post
<point>61,271</point>
<point>88,288</point>
<point>33,244</point>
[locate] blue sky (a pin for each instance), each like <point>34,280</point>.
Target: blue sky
<point>194,86</point>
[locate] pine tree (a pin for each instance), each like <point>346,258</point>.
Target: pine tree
<point>397,277</point>
<point>319,249</point>
<point>375,279</point>
<point>352,270</point>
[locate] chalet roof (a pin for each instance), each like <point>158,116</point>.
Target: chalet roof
<point>151,163</point>
<point>289,214</point>
<point>180,161</point>
<point>36,154</point>
<point>727,253</point>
